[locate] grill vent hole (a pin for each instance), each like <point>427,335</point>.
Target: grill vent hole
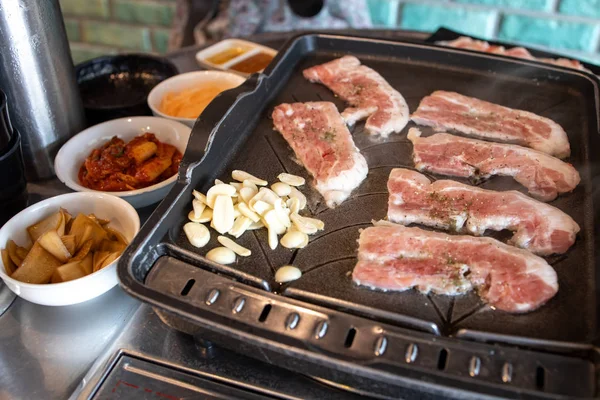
<point>188,286</point>
<point>265,313</point>
<point>442,359</point>
<point>350,338</point>
<point>540,377</point>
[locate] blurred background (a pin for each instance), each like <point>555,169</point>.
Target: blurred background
<point>99,27</point>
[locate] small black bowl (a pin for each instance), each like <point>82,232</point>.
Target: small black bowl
<point>118,86</point>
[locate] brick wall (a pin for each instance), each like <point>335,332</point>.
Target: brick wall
<point>571,27</point>
<point>98,27</point>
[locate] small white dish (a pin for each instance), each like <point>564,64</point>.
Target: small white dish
<point>185,81</point>
<point>223,45</point>
<point>249,47</point>
<point>72,154</point>
<point>123,218</point>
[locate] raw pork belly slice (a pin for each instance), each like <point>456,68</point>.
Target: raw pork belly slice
<point>465,42</point>
<point>543,175</point>
<point>453,111</point>
<point>369,94</point>
<point>451,205</point>
<point>395,257</point>
<point>319,137</point>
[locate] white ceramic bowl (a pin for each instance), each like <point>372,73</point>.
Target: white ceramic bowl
<point>73,153</point>
<point>185,81</point>
<point>123,218</point>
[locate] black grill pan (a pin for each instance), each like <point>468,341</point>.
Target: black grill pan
<point>402,339</point>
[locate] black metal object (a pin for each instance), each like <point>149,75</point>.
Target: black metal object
<point>133,378</point>
<point>118,86</point>
<point>13,196</point>
<point>306,8</point>
<point>445,34</point>
<point>351,335</point>
<point>148,358</point>
<point>6,130</point>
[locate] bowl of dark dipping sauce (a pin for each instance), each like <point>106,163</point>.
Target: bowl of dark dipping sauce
<point>117,86</point>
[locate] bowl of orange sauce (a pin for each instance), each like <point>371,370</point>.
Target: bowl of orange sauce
<point>183,97</point>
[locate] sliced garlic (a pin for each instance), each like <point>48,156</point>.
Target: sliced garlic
<point>236,185</point>
<point>199,207</point>
<point>236,248</point>
<point>241,176</point>
<point>304,242</point>
<point>257,197</point>
<point>236,209</point>
<point>268,196</point>
<point>293,239</point>
<point>283,214</point>
<point>247,212</point>
<point>249,184</point>
<point>221,255</point>
<point>306,224</point>
<point>303,226</point>
<point>217,190</point>
<point>316,222</point>
<point>272,222</point>
<point>272,238</point>
<point>199,196</point>
<point>197,234</point>
<point>287,273</point>
<point>247,194</point>
<point>205,217</point>
<point>256,225</point>
<point>294,205</point>
<point>260,207</point>
<point>239,206</point>
<point>281,189</point>
<point>223,214</point>
<point>241,225</point>
<point>292,180</point>
<point>296,194</point>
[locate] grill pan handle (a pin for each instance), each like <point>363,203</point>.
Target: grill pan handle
<point>208,122</point>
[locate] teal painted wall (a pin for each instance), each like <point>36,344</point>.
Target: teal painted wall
<point>570,27</point>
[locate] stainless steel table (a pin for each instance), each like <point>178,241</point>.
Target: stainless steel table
<point>45,352</point>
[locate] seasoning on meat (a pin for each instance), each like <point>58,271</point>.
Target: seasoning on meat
<point>116,166</point>
<point>543,175</point>
<point>370,95</point>
<point>453,111</point>
<point>468,43</point>
<point>321,141</point>
<point>395,257</point>
<point>449,205</point>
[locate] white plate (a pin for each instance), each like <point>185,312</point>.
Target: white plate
<point>185,81</point>
<point>123,218</point>
<point>73,153</point>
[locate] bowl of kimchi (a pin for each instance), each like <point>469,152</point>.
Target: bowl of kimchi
<point>134,158</point>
